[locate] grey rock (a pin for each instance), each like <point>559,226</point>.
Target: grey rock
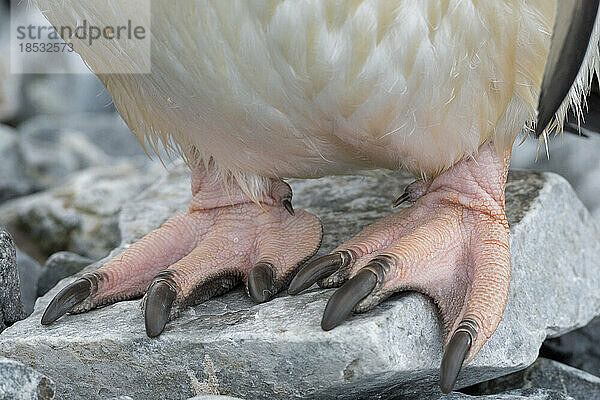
<point>10,95</point>
<point>29,273</point>
<point>19,382</point>
<point>518,394</point>
<point>546,374</point>
<point>59,266</point>
<point>58,83</point>
<point>229,345</point>
<point>80,215</point>
<point>213,397</point>
<point>10,84</point>
<point>55,146</point>
<point>11,307</point>
<point>77,92</point>
<point>14,182</point>
<point>578,349</point>
<point>571,156</point>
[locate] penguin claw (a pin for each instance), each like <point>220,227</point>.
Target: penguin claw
<point>318,269</point>
<point>261,286</point>
<point>159,301</point>
<point>404,197</point>
<point>287,204</point>
<point>343,301</point>
<point>70,296</point>
<point>454,357</point>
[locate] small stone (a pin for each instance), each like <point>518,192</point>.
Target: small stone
<point>277,350</point>
<point>19,382</point>
<point>29,272</point>
<point>59,266</point>
<point>14,182</point>
<point>11,307</point>
<point>56,146</point>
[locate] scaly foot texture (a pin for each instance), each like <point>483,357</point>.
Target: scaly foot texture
<point>224,239</point>
<point>452,245</point>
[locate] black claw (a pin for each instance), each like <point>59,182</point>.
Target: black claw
<point>260,283</point>
<point>287,204</point>
<point>159,301</point>
<point>453,359</point>
<point>318,269</point>
<point>343,301</point>
<point>66,299</point>
<point>405,196</point>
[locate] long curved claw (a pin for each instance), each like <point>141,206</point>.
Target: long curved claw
<point>66,299</point>
<point>343,301</point>
<point>261,287</point>
<point>404,197</point>
<point>159,301</point>
<point>454,356</point>
<point>570,39</point>
<point>318,269</point>
<point>287,204</point>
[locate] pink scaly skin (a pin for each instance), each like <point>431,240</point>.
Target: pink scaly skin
<point>451,245</point>
<point>224,238</point>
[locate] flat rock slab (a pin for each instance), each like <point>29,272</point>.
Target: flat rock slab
<point>231,346</point>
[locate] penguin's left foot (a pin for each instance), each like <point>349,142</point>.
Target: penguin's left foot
<point>451,245</point>
<point>224,239</point>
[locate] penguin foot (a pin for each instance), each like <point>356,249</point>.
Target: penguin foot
<point>452,245</point>
<point>223,240</point>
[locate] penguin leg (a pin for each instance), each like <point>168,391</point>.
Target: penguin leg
<point>452,245</point>
<point>224,239</point>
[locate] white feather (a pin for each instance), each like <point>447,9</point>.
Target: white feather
<point>305,88</point>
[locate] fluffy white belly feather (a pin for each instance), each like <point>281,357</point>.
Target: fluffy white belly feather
<point>306,88</point>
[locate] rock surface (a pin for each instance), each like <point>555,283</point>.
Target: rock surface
<point>231,346</point>
<point>519,394</point>
<point>213,397</point>
<point>80,215</point>
<point>571,156</point>
<point>10,95</point>
<point>59,266</point>
<point>19,382</point>
<point>55,146</point>
<point>578,349</point>
<point>11,307</point>
<point>14,182</point>
<point>548,375</point>
<point>29,273</point>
